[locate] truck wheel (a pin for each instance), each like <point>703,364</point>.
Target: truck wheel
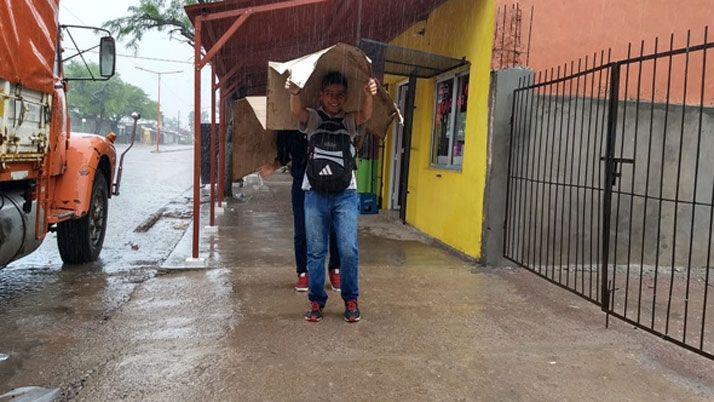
<point>80,240</point>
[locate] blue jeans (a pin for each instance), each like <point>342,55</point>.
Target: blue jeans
<point>340,211</point>
<point>300,238</point>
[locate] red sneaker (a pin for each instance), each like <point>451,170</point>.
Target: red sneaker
<point>314,314</point>
<point>352,313</point>
<point>335,279</point>
<point>302,283</point>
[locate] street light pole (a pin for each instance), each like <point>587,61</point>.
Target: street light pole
<point>158,103</point>
<point>158,114</point>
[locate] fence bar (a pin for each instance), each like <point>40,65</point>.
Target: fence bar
<point>610,169</point>
<point>696,177</point>
<point>570,193</point>
<point>532,169</point>
<point>550,186</point>
<point>579,245</point>
<point>679,180</point>
<point>647,181</point>
<point>525,171</point>
<point>661,181</point>
<point>619,184</point>
<point>565,173</point>
<point>634,175</point>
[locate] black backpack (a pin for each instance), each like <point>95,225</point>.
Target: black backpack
<point>330,156</point>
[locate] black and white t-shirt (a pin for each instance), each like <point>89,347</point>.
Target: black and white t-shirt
<point>314,121</point>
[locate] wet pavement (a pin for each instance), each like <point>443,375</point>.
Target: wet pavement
<point>44,304</point>
<point>435,326</point>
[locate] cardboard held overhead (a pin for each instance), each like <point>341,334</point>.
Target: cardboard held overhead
<point>307,73</point>
<point>253,145</point>
<point>28,43</point>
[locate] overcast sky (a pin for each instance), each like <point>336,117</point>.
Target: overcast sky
<point>176,90</point>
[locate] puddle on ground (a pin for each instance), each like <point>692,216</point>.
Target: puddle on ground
<point>31,394</point>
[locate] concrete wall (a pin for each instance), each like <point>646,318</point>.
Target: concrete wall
<point>503,83</point>
<point>570,218</point>
<point>448,205</point>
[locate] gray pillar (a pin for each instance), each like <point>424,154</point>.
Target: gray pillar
<point>503,83</point>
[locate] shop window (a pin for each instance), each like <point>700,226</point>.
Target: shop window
<point>449,135</point>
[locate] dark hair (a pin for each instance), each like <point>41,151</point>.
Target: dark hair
<point>333,78</point>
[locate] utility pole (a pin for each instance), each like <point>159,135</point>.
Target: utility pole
<point>158,103</point>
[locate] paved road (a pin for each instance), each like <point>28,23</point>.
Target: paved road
<point>150,182</point>
<point>41,300</point>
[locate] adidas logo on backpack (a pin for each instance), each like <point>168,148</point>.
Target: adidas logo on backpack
<point>326,171</point>
<point>331,158</point>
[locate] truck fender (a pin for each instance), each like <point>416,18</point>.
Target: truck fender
<point>86,156</point>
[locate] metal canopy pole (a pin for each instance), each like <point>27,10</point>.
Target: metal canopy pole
<point>213,147</point>
<point>197,137</point>
<point>407,147</point>
<point>222,131</point>
<point>221,147</point>
<point>199,62</point>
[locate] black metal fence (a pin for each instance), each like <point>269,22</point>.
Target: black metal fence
<point>611,185</point>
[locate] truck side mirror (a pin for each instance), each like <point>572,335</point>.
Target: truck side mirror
<point>107,57</point>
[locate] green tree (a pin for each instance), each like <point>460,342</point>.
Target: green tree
<point>160,15</point>
<point>104,102</point>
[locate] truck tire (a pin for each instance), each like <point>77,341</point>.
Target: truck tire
<point>80,240</point>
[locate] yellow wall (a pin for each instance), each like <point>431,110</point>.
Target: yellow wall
<point>450,207</point>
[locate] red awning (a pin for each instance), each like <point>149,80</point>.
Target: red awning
<point>285,34</point>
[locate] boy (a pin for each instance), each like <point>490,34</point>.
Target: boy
<point>292,147</point>
<point>331,188</point>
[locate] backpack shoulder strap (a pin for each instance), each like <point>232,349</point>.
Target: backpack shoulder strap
<point>325,117</point>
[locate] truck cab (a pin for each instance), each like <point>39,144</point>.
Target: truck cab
<point>50,179</point>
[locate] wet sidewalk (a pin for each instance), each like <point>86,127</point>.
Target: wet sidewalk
<point>435,327</point>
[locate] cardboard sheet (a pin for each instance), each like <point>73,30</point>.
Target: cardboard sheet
<point>253,145</point>
<point>307,73</point>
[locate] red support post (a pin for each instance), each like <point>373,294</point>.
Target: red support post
<point>213,148</point>
<point>224,39</point>
<point>197,138</point>
<point>221,148</point>
<point>228,75</point>
<point>260,9</point>
<point>231,88</point>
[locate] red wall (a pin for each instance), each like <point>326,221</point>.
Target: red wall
<point>565,30</point>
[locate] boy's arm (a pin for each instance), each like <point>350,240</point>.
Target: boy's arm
<point>281,159</point>
<point>365,113</point>
<point>296,106</point>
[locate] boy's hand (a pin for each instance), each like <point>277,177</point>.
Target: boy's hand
<point>267,170</point>
<point>371,87</point>
<point>292,88</point>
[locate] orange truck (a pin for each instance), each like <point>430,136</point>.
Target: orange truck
<point>50,179</point>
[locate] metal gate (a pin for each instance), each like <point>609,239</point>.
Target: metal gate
<point>611,185</point>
